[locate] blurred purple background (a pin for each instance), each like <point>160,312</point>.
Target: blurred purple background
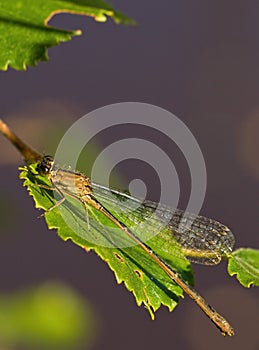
<point>197,59</point>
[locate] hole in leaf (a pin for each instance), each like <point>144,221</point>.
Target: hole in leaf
<point>119,257</point>
<point>139,273</point>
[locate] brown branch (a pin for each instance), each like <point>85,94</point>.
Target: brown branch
<point>29,155</point>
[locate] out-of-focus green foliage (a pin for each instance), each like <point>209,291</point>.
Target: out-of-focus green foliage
<point>51,316</point>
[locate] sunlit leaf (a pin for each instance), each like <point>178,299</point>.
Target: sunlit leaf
<point>24,32</point>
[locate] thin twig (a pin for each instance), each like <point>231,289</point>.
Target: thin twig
<point>29,155</point>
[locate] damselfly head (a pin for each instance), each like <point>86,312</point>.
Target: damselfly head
<point>45,166</point>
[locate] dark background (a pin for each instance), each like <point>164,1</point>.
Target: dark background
<point>197,59</point>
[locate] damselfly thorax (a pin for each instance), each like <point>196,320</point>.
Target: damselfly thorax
<point>70,182</point>
<point>73,184</point>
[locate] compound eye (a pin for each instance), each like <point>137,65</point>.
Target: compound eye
<point>41,169</point>
<point>45,169</point>
<point>45,166</point>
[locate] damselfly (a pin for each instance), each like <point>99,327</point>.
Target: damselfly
<point>202,240</point>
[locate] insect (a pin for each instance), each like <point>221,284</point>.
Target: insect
<point>204,240</point>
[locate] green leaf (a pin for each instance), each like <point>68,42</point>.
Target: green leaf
<point>244,263</point>
<point>50,316</point>
<point>150,285</point>
<point>25,35</point>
